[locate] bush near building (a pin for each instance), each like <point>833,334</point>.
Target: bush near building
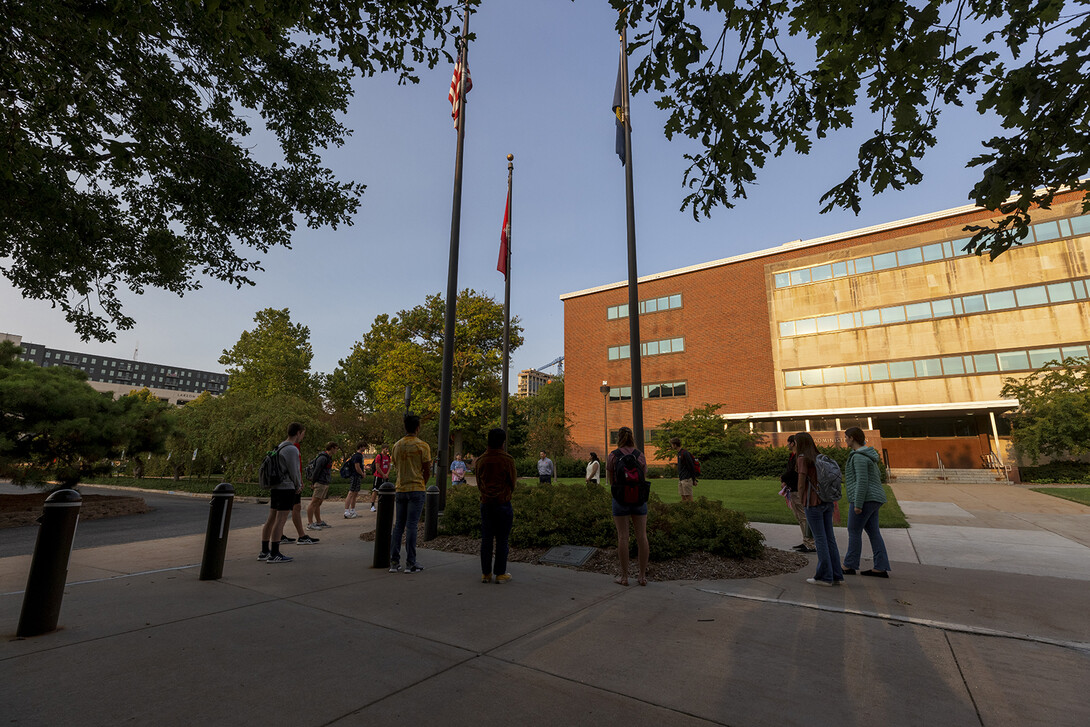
<point>1064,473</point>
<point>547,516</point>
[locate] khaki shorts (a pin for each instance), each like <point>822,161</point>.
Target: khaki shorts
<point>685,488</point>
<point>321,492</point>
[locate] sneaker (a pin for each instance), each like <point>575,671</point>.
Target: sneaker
<point>504,578</point>
<point>314,526</point>
<point>395,567</point>
<point>323,524</point>
<point>374,509</point>
<point>279,558</point>
<point>263,555</point>
<point>351,514</point>
<point>816,582</point>
<point>414,569</point>
<point>486,578</point>
<point>285,540</point>
<point>307,540</point>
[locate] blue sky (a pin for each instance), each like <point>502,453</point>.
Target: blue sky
<point>543,75</point>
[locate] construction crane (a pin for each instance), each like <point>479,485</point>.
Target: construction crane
<point>558,362</point>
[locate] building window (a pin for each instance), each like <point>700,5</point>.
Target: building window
<point>651,305</point>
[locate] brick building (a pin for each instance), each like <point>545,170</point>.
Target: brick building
<point>891,328</point>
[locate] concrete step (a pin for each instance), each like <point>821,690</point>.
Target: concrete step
<point>960,476</point>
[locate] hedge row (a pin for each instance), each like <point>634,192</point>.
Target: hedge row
<point>550,515</point>
<point>1057,472</point>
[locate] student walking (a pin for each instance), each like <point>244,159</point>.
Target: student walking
<point>686,471</point>
<point>863,483</point>
<point>355,468</point>
<point>819,514</point>
<point>495,470</point>
<point>623,462</point>
<point>412,457</point>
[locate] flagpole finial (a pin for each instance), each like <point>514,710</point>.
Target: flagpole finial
<point>510,157</point>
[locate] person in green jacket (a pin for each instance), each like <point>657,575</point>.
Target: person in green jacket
<point>863,483</point>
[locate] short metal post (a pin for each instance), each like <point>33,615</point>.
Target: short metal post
<point>431,513</point>
<point>219,525</point>
<point>384,524</point>
<point>49,564</point>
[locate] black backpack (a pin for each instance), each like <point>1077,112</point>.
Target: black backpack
<point>629,487</point>
<point>314,469</point>
<point>347,470</point>
<point>272,469</point>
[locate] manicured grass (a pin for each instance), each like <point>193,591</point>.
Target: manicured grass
<point>1080,495</point>
<point>760,500</point>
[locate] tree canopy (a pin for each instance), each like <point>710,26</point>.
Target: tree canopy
<point>774,77</point>
<point>1053,414</point>
<point>127,132</point>
<point>272,359</point>
<point>704,433</point>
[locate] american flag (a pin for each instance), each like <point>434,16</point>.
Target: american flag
<point>452,96</point>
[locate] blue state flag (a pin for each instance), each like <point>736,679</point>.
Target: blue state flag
<point>618,108</point>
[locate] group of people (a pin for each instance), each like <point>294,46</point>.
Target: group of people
<point>815,515</point>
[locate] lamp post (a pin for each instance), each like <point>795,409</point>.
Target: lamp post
<point>604,388</point>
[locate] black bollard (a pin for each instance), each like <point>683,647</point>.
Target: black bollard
<point>219,525</point>
<point>384,524</point>
<point>49,565</point>
<point>431,513</point>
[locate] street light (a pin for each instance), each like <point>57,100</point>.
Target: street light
<point>604,388</point>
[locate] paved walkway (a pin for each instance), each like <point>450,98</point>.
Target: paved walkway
<point>326,640</point>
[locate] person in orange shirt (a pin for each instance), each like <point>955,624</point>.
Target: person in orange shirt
<point>412,457</point>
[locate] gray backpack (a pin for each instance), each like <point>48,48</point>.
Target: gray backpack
<point>828,478</point>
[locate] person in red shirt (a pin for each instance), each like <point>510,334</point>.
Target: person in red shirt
<point>381,465</point>
<point>495,470</point>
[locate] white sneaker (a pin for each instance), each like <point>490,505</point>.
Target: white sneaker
<point>313,526</point>
<point>351,514</point>
<point>816,582</point>
<point>373,509</point>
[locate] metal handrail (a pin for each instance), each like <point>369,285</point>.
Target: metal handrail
<point>942,468</point>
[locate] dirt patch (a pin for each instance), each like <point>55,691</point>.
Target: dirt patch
<point>692,567</point>
<point>19,510</point>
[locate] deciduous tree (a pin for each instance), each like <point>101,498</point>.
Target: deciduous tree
<point>1053,414</point>
<point>704,433</point>
<point>272,359</point>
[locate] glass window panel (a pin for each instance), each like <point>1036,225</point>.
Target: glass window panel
<point>653,392</point>
<point>942,308</point>
<point>649,306</point>
<point>839,270</point>
<point>821,272</point>
<point>846,320</point>
<point>885,261</point>
<point>613,353</point>
<point>792,378</point>
<point>952,365</point>
<point>1031,296</point>
<point>805,326</point>
<point>1000,300</point>
<point>959,246</point>
<point>958,307</point>
<point>1013,361</point>
<point>826,324</point>
<point>611,312</point>
<point>878,372</point>
<point>1046,231</point>
<point>678,345</point>
<point>911,256</point>
<point>871,318</point>
<point>973,303</point>
<point>622,311</point>
<point>858,318</point>
<point>852,374</point>
<point>1039,357</point>
<point>901,370</point>
<point>811,377</point>
<point>1080,289</point>
<point>798,277</point>
<point>787,328</point>
<point>1060,292</point>
<point>680,388</point>
<point>782,280</point>
<point>675,301</point>
<point>893,314</point>
<point>834,375</point>
<point>1081,225</point>
<point>1073,351</point>
<point>969,368</point>
<point>948,248</point>
<point>929,367</point>
<point>651,348</point>
<point>863,265</point>
<point>918,311</point>
<point>625,352</point>
<point>933,252</point>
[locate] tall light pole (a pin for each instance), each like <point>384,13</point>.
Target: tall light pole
<point>604,388</point>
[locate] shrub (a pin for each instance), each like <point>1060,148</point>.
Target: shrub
<point>564,466</point>
<point>763,462</point>
<point>661,471</point>
<point>549,515</point>
<point>1057,472</point>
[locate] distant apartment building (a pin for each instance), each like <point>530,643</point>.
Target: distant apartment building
<point>531,380</point>
<point>118,376</point>
<point>892,328</point>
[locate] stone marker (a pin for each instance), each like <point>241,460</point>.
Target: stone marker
<point>568,555</point>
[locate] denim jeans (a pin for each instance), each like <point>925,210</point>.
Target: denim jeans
<point>867,520</point>
<point>496,520</point>
<point>407,509</point>
<point>820,520</point>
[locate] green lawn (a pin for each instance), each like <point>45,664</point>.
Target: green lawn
<point>1080,495</point>
<point>760,500</point>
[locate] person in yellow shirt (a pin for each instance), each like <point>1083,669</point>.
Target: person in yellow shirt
<point>412,457</point>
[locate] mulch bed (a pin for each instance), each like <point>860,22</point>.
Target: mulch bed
<point>19,510</point>
<point>692,567</point>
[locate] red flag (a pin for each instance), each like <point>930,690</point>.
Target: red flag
<point>452,95</point>
<point>505,237</point>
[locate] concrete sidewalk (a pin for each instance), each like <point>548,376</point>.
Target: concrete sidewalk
<point>326,640</point>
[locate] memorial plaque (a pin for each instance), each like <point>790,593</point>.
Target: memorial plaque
<point>568,555</point>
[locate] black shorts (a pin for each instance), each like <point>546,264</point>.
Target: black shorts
<point>282,500</point>
<point>297,498</point>
<point>379,482</point>
<point>354,484</point>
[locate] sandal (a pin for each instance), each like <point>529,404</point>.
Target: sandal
<point>620,581</point>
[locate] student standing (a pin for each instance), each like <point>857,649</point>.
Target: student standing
<point>863,483</point>
<point>495,470</point>
<point>282,496</point>
<point>356,470</point>
<point>686,471</point>
<point>790,480</point>
<point>819,514</point>
<point>323,478</point>
<point>545,470</point>
<point>594,469</point>
<point>381,465</point>
<point>622,513</point>
<point>412,457</point>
